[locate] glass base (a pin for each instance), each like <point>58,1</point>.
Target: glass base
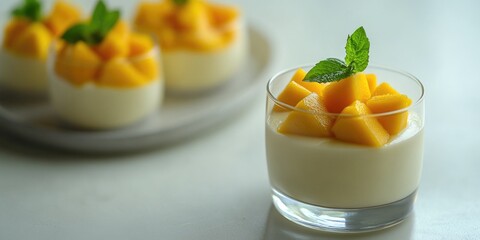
<point>343,219</point>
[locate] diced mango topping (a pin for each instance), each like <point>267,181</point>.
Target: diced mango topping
<point>313,124</point>
<point>33,41</point>
<point>77,63</point>
<point>341,94</point>
<point>358,128</point>
<point>351,97</point>
<point>120,73</point>
<point>196,25</point>
<point>393,123</point>
<point>62,16</point>
<point>311,86</point>
<point>291,95</point>
<point>122,59</point>
<point>384,88</point>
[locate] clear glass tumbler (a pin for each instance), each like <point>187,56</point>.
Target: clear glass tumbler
<point>326,184</point>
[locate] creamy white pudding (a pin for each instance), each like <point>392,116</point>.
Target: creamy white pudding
<point>196,71</point>
<point>21,73</point>
<point>102,107</point>
<point>329,173</point>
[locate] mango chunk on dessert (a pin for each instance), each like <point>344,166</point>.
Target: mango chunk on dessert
<point>291,95</point>
<point>120,73</point>
<point>147,66</point>
<point>341,94</point>
<point>372,81</point>
<point>195,25</point>
<point>314,124</point>
<point>61,17</point>
<point>33,41</point>
<point>115,44</point>
<point>311,86</point>
<point>78,63</point>
<point>358,128</point>
<point>391,102</point>
<point>139,44</point>
<point>384,88</point>
<point>13,29</point>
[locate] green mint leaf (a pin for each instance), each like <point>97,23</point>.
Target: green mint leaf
<point>93,32</point>
<point>357,49</point>
<point>30,9</point>
<point>180,2</point>
<point>77,33</point>
<point>328,70</point>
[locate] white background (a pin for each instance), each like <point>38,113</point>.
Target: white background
<point>215,186</point>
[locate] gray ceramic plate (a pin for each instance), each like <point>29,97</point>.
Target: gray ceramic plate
<point>178,118</point>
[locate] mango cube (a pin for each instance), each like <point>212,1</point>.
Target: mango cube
<point>372,81</point>
<point>120,73</point>
<point>12,30</point>
<point>34,41</point>
<point>313,124</point>
<point>115,44</point>
<point>139,44</point>
<point>394,123</point>
<point>291,95</point>
<point>338,95</point>
<point>384,88</point>
<point>311,86</point>
<point>147,66</point>
<point>359,128</point>
<point>62,16</point>
<point>148,15</point>
<point>78,63</point>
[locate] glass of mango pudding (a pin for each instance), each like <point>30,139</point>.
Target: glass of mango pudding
<point>27,38</point>
<point>104,75</point>
<point>344,142</point>
<point>203,44</point>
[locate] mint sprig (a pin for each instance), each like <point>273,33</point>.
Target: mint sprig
<point>356,60</point>
<point>30,9</point>
<point>94,31</point>
<point>180,2</point>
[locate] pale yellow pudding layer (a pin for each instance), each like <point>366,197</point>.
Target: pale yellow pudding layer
<point>21,73</point>
<point>330,173</point>
<point>193,71</point>
<point>99,107</point>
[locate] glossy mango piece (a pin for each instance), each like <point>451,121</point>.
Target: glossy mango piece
<point>62,16</point>
<point>147,16</point>
<point>115,44</point>
<point>12,30</point>
<point>139,44</point>
<point>312,124</point>
<point>394,123</point>
<point>358,128</point>
<point>121,74</point>
<point>34,41</point>
<point>311,86</point>
<point>384,88</point>
<point>147,66</point>
<point>291,95</point>
<point>372,81</point>
<point>222,14</point>
<point>78,63</point>
<point>338,95</point>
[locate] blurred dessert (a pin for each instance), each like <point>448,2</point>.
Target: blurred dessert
<point>203,44</point>
<point>104,75</point>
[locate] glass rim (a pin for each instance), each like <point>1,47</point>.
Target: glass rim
<point>415,103</point>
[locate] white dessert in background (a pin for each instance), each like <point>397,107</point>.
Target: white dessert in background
<point>203,44</point>
<point>100,107</point>
<point>22,74</point>
<point>331,173</point>
<point>26,41</point>
<point>190,71</point>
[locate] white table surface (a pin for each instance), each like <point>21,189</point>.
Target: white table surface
<point>215,186</point>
